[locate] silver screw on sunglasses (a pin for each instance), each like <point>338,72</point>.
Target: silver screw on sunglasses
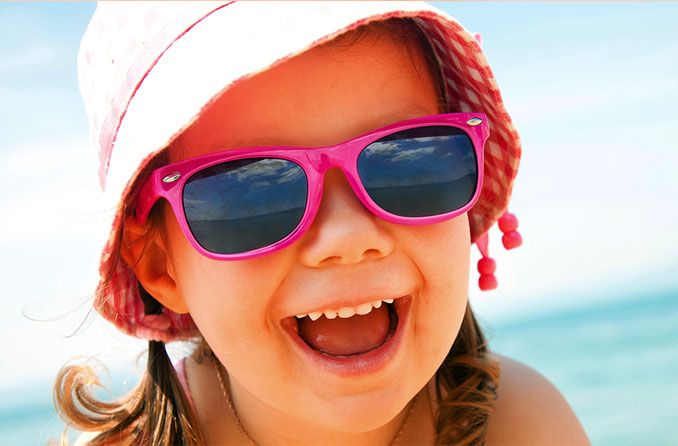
<point>171,178</point>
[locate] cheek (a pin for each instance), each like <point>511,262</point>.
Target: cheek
<point>442,255</point>
<point>228,300</point>
<point>231,306</point>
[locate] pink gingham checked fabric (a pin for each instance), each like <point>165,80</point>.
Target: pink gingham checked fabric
<point>147,69</point>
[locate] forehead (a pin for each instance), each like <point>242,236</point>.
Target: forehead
<point>323,96</point>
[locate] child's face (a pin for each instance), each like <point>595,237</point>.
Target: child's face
<point>322,97</point>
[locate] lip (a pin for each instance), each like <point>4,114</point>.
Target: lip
<point>363,364</point>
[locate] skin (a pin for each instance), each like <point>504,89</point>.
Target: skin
<point>333,93</point>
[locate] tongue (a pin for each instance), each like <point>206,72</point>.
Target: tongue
<point>351,336</point>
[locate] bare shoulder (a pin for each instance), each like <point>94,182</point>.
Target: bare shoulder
<point>531,410</point>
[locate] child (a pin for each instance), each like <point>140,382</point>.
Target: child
<point>296,189</point>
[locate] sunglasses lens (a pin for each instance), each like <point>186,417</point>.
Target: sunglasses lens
<point>246,204</point>
<point>420,172</point>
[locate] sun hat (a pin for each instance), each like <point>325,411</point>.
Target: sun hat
<point>147,69</point>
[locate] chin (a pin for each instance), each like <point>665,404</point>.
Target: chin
<point>364,412</point>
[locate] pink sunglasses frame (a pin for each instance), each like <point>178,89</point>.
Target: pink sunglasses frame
<point>168,181</point>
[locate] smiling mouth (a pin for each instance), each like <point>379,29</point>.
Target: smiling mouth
<point>357,347</point>
<point>350,336</point>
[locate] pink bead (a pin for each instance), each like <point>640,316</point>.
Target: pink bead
<point>478,38</point>
<point>487,282</point>
<point>512,240</point>
<point>508,222</point>
<point>487,265</point>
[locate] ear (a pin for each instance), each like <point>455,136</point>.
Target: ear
<point>146,254</point>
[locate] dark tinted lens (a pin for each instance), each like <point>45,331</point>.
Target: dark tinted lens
<point>420,172</point>
<point>242,205</point>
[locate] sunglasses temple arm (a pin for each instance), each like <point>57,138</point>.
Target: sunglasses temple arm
<point>146,198</point>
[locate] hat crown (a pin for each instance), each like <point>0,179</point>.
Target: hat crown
<point>119,40</point>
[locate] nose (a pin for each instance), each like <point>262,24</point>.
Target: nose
<point>343,232</point>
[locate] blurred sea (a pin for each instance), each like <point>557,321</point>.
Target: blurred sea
<point>616,362</point>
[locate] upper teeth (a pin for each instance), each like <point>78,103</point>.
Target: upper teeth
<point>346,312</point>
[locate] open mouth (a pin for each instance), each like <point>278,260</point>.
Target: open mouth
<point>353,345</point>
<point>349,336</point>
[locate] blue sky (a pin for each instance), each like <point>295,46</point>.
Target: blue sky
<point>592,89</point>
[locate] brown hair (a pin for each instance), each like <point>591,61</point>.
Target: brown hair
<point>157,410</point>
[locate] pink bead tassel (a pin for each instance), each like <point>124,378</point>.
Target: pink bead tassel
<point>486,266</point>
<point>508,224</point>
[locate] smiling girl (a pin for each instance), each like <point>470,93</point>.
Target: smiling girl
<point>297,187</point>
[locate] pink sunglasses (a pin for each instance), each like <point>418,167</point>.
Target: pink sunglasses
<point>237,204</point>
